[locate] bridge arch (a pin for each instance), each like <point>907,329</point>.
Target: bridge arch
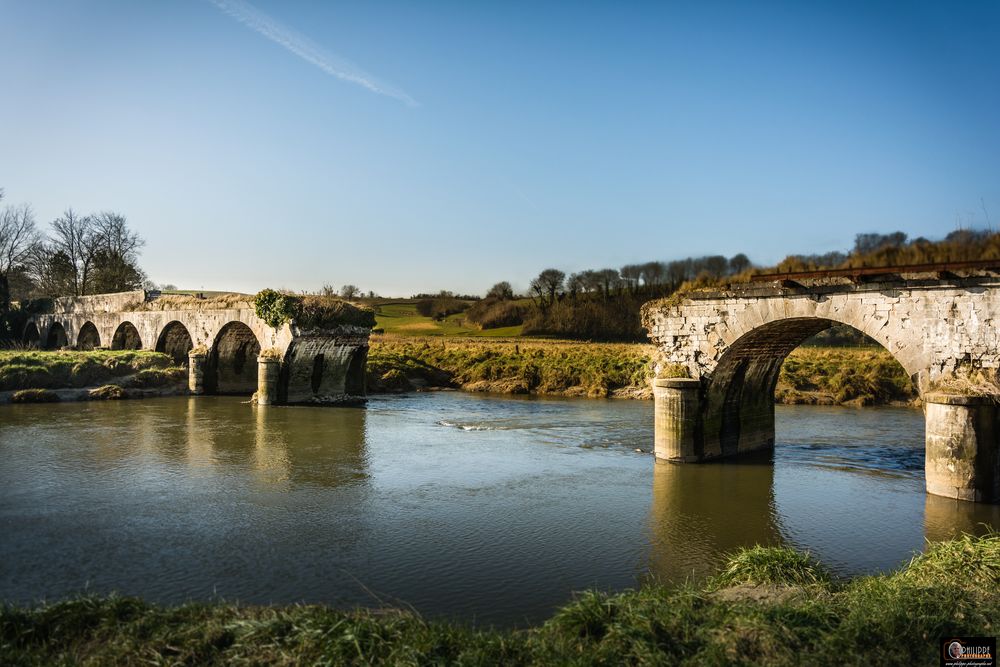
<point>56,338</point>
<point>232,362</point>
<point>738,393</point>
<point>88,338</point>
<point>30,336</point>
<point>175,340</point>
<point>126,337</point>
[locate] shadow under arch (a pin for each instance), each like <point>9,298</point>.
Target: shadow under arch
<point>175,340</point>
<point>701,513</point>
<point>88,338</point>
<point>56,338</point>
<point>126,337</point>
<point>231,367</point>
<point>738,405</point>
<point>30,336</point>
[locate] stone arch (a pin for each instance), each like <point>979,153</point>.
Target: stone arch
<point>56,338</point>
<point>232,363</point>
<point>88,338</point>
<point>354,383</point>
<point>738,393</point>
<point>175,340</point>
<point>30,336</point>
<point>822,312</point>
<point>126,337</point>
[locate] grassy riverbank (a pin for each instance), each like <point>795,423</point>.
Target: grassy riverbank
<point>858,376</point>
<point>768,606</point>
<point>24,371</point>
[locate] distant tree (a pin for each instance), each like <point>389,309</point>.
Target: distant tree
<point>609,281</point>
<point>18,240</point>
<point>349,291</point>
<point>116,255</point>
<point>548,283</point>
<point>630,275</point>
<point>739,263</point>
<point>715,265</point>
<point>575,285</point>
<point>502,291</point>
<point>865,244</point>
<point>653,274</point>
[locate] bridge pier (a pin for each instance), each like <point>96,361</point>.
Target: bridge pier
<point>196,371</point>
<point>268,372</point>
<point>962,457</point>
<point>677,419</point>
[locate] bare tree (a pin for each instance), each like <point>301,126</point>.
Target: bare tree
<point>73,241</point>
<point>349,291</point>
<point>547,285</point>
<point>18,239</point>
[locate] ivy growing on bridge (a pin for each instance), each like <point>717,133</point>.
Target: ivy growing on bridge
<point>275,308</point>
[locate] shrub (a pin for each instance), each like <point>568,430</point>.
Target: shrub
<point>274,307</point>
<point>493,314</point>
<point>109,392</point>
<point>35,396</point>
<point>310,312</point>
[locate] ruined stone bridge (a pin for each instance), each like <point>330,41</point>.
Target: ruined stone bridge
<point>731,344</point>
<point>228,349</point>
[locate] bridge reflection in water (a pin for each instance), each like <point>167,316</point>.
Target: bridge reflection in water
<point>700,513</point>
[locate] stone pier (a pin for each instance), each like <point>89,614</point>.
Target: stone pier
<point>962,447</point>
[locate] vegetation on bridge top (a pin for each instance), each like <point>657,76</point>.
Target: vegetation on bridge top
<point>310,311</point>
<point>769,606</point>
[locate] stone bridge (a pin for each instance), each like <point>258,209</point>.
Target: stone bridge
<point>731,344</point>
<point>228,349</point>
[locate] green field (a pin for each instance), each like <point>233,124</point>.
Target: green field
<point>400,317</point>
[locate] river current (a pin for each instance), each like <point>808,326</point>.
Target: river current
<point>487,509</point>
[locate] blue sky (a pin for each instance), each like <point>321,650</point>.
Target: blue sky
<point>418,146</point>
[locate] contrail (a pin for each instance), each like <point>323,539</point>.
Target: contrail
<point>306,49</point>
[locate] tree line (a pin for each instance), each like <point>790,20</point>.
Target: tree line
<point>78,255</point>
<point>603,304</point>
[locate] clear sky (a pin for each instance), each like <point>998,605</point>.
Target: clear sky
<point>418,146</point>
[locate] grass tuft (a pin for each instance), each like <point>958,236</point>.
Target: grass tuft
<point>772,565</point>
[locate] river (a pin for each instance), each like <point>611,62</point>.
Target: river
<point>481,508</point>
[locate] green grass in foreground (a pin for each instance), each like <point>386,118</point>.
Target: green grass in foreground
<point>770,606</point>
<point>401,318</point>
<point>39,369</point>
